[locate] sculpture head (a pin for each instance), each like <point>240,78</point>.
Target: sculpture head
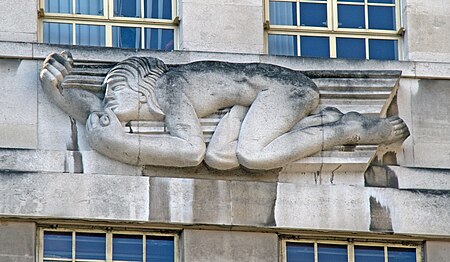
<point>130,88</point>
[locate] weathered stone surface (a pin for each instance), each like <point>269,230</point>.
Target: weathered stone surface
<point>17,241</point>
<point>437,251</point>
<point>225,246</point>
<point>20,26</point>
<point>74,196</point>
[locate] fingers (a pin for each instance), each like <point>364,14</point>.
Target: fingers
<point>103,119</point>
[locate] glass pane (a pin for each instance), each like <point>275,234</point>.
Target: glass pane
<point>90,246</point>
<point>126,37</point>
<point>401,254</point>
<point>351,16</point>
<point>127,8</point>
<point>351,48</point>
<point>92,35</point>
<point>58,244</point>
<point>160,249</point>
<point>58,33</point>
<point>332,253</point>
<point>160,39</point>
<point>127,248</point>
<point>158,9</point>
<point>299,252</point>
<point>382,1</point>
<point>369,254</point>
<point>282,13</point>
<point>89,7</point>
<point>355,1</point>
<point>283,45</point>
<point>382,17</point>
<point>314,46</point>
<point>313,14</point>
<point>383,49</point>
<point>58,6</point>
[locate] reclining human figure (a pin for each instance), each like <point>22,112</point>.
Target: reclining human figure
<point>269,124</point>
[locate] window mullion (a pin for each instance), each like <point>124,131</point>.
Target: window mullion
<point>108,35</point>
<point>366,42</point>
<point>298,12</point>
<point>74,33</point>
<point>316,252</point>
<point>73,7</point>
<point>351,252</point>
<point>366,14</point>
<point>142,9</point>
<point>108,247</point>
<point>144,248</point>
<point>386,259</point>
<point>73,246</point>
<point>142,37</point>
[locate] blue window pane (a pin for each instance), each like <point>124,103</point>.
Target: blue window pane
<point>89,7</point>
<point>382,17</point>
<point>160,249</point>
<point>92,35</point>
<point>315,46</point>
<point>351,48</point>
<point>283,45</point>
<point>126,37</point>
<point>313,14</point>
<point>127,8</point>
<point>90,246</point>
<point>401,254</point>
<point>161,9</point>
<point>127,248</point>
<point>351,16</point>
<point>383,49</point>
<point>58,6</point>
<point>58,33</point>
<point>299,252</point>
<point>369,254</point>
<point>354,1</point>
<point>382,1</point>
<point>282,13</point>
<point>160,39</point>
<point>332,253</point>
<point>58,244</point>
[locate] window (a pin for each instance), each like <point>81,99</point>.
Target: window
<point>344,251</point>
<point>351,29</point>
<point>147,24</point>
<point>98,245</point>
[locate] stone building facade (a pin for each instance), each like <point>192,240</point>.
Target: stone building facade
<point>390,197</point>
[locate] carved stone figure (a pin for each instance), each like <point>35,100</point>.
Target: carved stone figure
<point>268,126</point>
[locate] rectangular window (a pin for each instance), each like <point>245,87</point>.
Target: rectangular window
<point>344,251</point>
<point>108,246</point>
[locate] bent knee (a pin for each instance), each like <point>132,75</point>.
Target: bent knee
<point>218,160</point>
<point>256,160</point>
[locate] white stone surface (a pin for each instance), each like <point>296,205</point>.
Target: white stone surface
<point>17,241</point>
<point>18,20</point>
<point>437,251</point>
<point>419,178</point>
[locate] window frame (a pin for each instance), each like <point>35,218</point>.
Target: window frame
<point>351,245</point>
<point>332,30</point>
<point>109,20</point>
<point>109,241</point>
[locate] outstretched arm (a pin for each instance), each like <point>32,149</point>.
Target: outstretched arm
<point>76,102</point>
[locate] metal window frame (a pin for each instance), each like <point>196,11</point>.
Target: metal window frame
<point>109,242</point>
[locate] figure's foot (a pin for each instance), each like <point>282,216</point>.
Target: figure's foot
<point>325,116</point>
<point>365,130</point>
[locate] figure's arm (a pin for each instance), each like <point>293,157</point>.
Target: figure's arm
<point>76,102</point>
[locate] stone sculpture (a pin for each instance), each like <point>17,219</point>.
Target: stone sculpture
<point>269,124</point>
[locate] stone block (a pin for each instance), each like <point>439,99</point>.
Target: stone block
<point>405,157</point>
<point>17,160</point>
<point>15,49</point>
<point>18,20</point>
<point>17,241</point>
<point>227,246</point>
<point>74,196</point>
<point>437,251</point>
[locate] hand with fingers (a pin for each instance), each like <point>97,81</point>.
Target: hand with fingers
<point>55,68</point>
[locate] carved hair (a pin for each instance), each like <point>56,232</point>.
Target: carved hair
<point>138,74</point>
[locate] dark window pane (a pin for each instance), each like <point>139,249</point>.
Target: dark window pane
<point>314,46</point>
<point>158,9</point>
<point>369,254</point>
<point>89,7</point>
<point>382,1</point>
<point>299,252</point>
<point>160,39</point>
<point>58,6</point>
<point>90,246</point>
<point>351,16</point>
<point>355,1</point>
<point>401,254</point>
<point>313,14</point>
<point>282,13</point>
<point>382,17</point>
<point>92,35</point>
<point>383,49</point>
<point>127,248</point>
<point>351,48</point>
<point>160,249</point>
<point>332,253</point>
<point>127,8</point>
<point>283,45</point>
<point>58,244</point>
<point>58,33</point>
<point>126,37</point>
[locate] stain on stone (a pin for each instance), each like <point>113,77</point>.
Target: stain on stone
<point>380,176</point>
<point>159,202</point>
<point>271,221</point>
<point>430,192</point>
<point>77,157</point>
<point>380,217</point>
